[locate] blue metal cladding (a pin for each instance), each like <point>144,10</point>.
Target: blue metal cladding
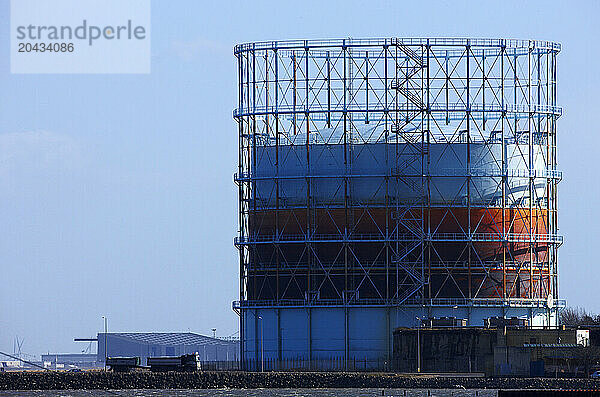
<point>319,342</point>
<point>383,180</point>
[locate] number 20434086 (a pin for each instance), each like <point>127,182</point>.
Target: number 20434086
<point>46,47</point>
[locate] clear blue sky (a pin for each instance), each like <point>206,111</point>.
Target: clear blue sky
<point>116,192</point>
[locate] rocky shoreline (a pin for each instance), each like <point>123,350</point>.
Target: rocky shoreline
<point>32,380</point>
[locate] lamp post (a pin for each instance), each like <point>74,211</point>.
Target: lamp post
<point>105,340</point>
<point>418,344</point>
<point>262,361</point>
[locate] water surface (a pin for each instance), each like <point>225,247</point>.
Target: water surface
<point>256,393</point>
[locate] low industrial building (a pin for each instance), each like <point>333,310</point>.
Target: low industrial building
<point>158,344</point>
<point>493,351</point>
<point>10,365</point>
<point>70,361</point>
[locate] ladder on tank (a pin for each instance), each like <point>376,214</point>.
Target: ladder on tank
<point>408,130</point>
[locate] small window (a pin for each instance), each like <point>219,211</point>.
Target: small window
<point>533,341</point>
<point>170,350</point>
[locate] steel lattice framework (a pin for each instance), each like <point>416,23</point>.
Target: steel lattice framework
<point>383,172</point>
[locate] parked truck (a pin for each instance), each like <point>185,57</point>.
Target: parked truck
<point>186,362</point>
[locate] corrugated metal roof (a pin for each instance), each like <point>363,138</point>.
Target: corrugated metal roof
<point>169,338</point>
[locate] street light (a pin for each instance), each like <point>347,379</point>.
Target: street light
<point>262,361</point>
<point>105,340</point>
<point>418,344</point>
<point>214,330</point>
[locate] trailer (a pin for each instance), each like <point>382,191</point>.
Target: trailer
<point>186,362</point>
<point>123,364</point>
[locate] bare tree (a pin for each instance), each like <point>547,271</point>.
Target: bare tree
<point>575,316</point>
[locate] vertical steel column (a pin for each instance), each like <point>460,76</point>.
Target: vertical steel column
<point>426,163</point>
<point>308,206</point>
<point>517,137</point>
<point>531,168</point>
<point>267,130</point>
<point>468,117</point>
<point>504,169</point>
<point>550,166</point>
<point>483,79</point>
<point>328,91</point>
<point>253,176</point>
<point>248,180</point>
<point>397,65</point>
<point>248,187</point>
<point>447,86</point>
<point>294,93</point>
<point>367,64</point>
<point>277,176</point>
<point>387,203</point>
<point>387,177</point>
<point>346,217</point>
<point>240,121</point>
<point>554,183</point>
<point>538,207</point>
<point>279,340</point>
<point>277,197</point>
<point>550,182</point>
<point>350,150</point>
<point>267,136</point>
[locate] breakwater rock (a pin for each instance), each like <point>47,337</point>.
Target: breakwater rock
<point>45,380</point>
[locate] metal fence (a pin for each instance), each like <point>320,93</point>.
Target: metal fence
<point>333,364</point>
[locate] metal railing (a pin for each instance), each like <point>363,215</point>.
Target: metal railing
<point>483,265</point>
<point>283,109</point>
<point>445,172</point>
<point>416,302</point>
<point>410,41</point>
<point>400,57</point>
<point>407,237</point>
